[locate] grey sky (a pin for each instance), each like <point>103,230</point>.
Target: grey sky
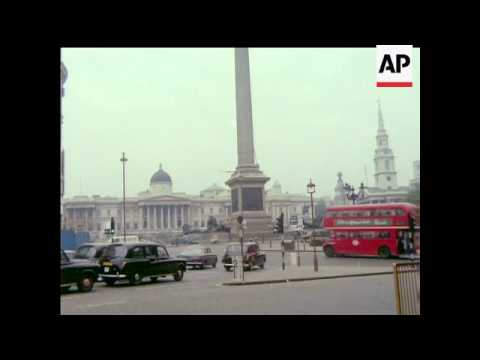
<point>314,114</point>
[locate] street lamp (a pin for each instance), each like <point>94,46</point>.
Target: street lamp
<point>123,160</point>
<point>311,190</point>
<point>351,195</point>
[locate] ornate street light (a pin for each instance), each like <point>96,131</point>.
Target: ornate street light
<point>311,190</point>
<point>351,195</point>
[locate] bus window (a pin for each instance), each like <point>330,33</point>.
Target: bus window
<point>384,235</point>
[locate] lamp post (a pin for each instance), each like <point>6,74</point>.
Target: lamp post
<point>351,195</point>
<point>123,160</point>
<point>311,190</point>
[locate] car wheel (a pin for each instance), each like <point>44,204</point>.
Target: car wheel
<point>262,265</point>
<point>329,252</point>
<point>110,282</point>
<point>178,275</point>
<point>154,278</point>
<point>135,279</point>
<point>227,268</point>
<point>214,265</point>
<point>86,283</point>
<point>384,252</point>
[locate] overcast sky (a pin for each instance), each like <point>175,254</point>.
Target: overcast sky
<point>314,114</point>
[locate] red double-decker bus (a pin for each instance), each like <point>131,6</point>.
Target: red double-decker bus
<point>372,229</point>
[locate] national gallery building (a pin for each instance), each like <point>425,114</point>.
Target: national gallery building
<point>160,211</point>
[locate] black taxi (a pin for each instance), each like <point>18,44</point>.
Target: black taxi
<point>138,260</point>
<point>80,273</point>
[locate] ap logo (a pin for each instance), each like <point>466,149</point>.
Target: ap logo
<point>394,66</point>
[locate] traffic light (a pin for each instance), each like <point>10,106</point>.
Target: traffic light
<point>411,223</point>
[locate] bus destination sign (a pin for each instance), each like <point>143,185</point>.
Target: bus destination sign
<point>363,222</point>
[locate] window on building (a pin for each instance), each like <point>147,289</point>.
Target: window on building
<point>109,212</point>
<point>387,164</point>
<point>127,226</point>
<point>203,223</point>
<point>195,223</point>
<point>211,210</point>
<point>99,227</point>
<point>135,226</point>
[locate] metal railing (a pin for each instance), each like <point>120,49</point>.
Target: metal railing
<point>406,278</point>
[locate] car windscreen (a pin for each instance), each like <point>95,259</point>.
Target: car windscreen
<point>115,251</point>
<point>85,252</point>
<point>194,251</point>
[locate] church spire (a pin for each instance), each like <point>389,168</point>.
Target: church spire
<point>380,117</point>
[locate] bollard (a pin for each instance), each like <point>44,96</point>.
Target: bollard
<point>283,260</point>
<point>315,259</point>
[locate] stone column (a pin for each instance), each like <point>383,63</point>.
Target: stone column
<point>161,218</point>
<point>168,217</point>
<point>182,214</point>
<point>175,216</point>
<point>243,108</point>
<point>155,219</point>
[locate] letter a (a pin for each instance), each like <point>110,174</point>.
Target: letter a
<point>384,66</point>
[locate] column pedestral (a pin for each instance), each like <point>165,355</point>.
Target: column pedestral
<point>248,199</point>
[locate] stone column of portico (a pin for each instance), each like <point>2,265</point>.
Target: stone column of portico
<point>175,223</point>
<point>161,218</point>
<point>155,219</point>
<point>182,219</point>
<point>168,217</point>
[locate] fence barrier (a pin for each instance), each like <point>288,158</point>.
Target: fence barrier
<point>407,288</point>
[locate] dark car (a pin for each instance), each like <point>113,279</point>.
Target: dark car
<point>136,261</point>
<point>252,256</point>
<point>82,273</point>
<point>199,256</point>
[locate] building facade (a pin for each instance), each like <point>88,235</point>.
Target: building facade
<point>161,211</point>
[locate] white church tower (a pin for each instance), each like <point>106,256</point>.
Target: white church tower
<point>385,174</point>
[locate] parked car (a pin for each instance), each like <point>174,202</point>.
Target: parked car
<point>252,256</point>
<point>82,273</point>
<point>136,261</point>
<point>199,256</point>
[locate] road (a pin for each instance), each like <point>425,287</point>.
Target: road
<point>200,292</point>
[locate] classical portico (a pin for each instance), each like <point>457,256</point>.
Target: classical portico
<point>164,213</point>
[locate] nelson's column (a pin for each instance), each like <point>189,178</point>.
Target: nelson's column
<point>247,182</point>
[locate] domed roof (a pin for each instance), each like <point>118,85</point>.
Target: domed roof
<point>160,176</point>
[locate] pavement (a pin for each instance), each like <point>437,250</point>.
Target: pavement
<point>306,273</point>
